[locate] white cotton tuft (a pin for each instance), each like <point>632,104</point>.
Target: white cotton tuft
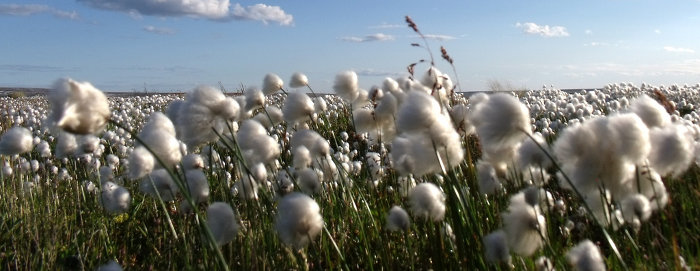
<point>501,120</point>
<point>193,161</point>
<point>585,257</point>
<point>631,136</point>
<point>636,207</point>
<point>228,109</point>
<point>298,220</point>
<point>158,134</point>
<point>428,202</point>
<point>254,99</point>
<point>524,226</point>
<point>297,107</point>
<point>162,183</point>
<point>650,111</point>
<point>110,266</point>
<point>115,199</point>
<point>398,219</point>
<point>271,116</point>
<point>272,83</point>
<point>317,145</point>
<point>222,222</point>
<point>308,181</point>
<point>301,157</point>
<point>16,140</point>
<point>78,107</point>
<point>460,118</point>
<point>496,247</point>
<point>198,185</point>
<point>417,113</point>
<point>489,183</point>
<point>141,162</point>
<point>298,80</point>
<point>345,85</point>
<point>672,150</point>
<point>530,154</point>
<point>67,145</point>
<point>256,144</point>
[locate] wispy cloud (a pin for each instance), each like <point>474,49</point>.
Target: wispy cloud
<point>678,50</point>
<point>373,72</point>
<point>217,10</point>
<point>386,26</point>
<point>158,30</point>
<point>686,67</point>
<point>543,30</point>
<point>263,13</point>
<point>588,32</point>
<point>368,38</point>
<point>439,37</point>
<point>33,9</point>
<point>33,68</point>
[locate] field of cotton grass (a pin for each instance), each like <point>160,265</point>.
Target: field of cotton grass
<point>409,174</point>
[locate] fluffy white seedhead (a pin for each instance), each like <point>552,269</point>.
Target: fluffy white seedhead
<point>67,145</point>
<point>650,111</point>
<point>317,145</point>
<point>632,137</point>
<point>496,247</point>
<point>432,78</point>
<point>672,150</point>
<point>585,257</point>
<point>298,80</point>
<point>636,208</point>
<point>501,120</point>
<point>489,183</point>
<point>222,222</point>
<point>298,220</point>
<point>530,154</point>
<point>417,113</point>
<point>398,219</point>
<point>345,86</point>
<point>16,140</point>
<point>162,183</point>
<point>198,185</point>
<point>256,144</point>
<point>460,118</point>
<point>271,116</point>
<point>254,99</point>
<point>110,266</point>
<point>228,109</point>
<point>301,157</point>
<point>272,83</point>
<point>524,226</point>
<point>297,107</point>
<point>308,181</point>
<point>78,107</point>
<point>115,199</point>
<point>320,104</point>
<point>141,162</point>
<point>159,135</point>
<point>428,202</point>
<point>204,111</point>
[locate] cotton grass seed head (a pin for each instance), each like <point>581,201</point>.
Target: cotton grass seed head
<point>345,86</point>
<point>585,256</point>
<point>272,83</point>
<point>16,140</point>
<point>397,219</point>
<point>298,220</point>
<point>427,202</point>
<point>78,107</point>
<point>298,80</point>
<point>222,222</point>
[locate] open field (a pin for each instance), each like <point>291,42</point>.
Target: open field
<point>402,176</point>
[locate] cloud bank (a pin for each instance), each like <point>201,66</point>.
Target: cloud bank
<point>368,38</point>
<point>678,50</point>
<point>33,9</point>
<point>158,30</point>
<point>217,10</point>
<point>543,30</point>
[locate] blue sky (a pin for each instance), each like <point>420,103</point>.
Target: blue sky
<point>124,45</point>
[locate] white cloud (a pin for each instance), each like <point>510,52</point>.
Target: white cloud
<point>373,72</point>
<point>368,38</point>
<point>588,32</point>
<point>32,9</point>
<point>678,50</point>
<point>687,67</point>
<point>385,26</point>
<point>439,37</point>
<point>158,30</point>
<point>218,10</point>
<point>543,30</point>
<point>657,31</point>
<point>263,13</point>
